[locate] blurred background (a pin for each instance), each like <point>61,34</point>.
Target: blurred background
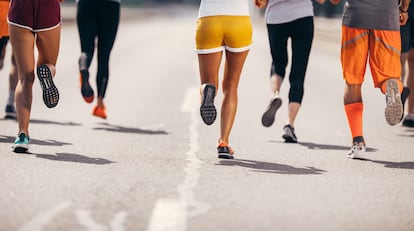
<point>324,10</point>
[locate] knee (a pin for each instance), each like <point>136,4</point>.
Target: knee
<point>229,91</point>
<point>27,79</point>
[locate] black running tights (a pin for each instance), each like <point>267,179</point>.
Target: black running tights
<point>301,33</point>
<point>98,20</point>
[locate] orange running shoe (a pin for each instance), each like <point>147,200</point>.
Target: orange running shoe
<point>99,112</point>
<point>225,151</point>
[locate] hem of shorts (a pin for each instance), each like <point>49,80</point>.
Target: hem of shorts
<point>237,50</point>
<point>218,49</point>
<point>33,30</point>
<point>209,51</point>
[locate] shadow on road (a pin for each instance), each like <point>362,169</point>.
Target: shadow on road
<point>37,121</point>
<point>70,157</point>
<point>10,140</point>
<point>399,165</point>
<point>260,166</point>
<point>330,147</point>
<point>116,128</point>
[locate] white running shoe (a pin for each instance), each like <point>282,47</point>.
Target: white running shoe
<point>357,151</point>
<point>394,108</point>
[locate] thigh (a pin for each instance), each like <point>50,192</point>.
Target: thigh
<point>48,43</point>
<point>354,54</point>
<point>107,26</point>
<point>22,41</point>
<point>302,37</point>
<point>385,54</point>
<point>278,42</point>
<point>87,22</point>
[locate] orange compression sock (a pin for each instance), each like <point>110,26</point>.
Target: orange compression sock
<point>354,115</point>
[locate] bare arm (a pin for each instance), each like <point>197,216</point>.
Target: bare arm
<point>404,11</point>
<point>260,3</point>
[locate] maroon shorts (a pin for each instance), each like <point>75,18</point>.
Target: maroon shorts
<point>35,15</point>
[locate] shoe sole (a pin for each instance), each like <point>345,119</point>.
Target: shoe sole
<point>86,89</point>
<point>289,139</point>
<point>10,116</point>
<point>269,116</point>
<point>50,92</point>
<point>207,109</point>
<point>225,156</point>
<point>394,108</point>
<point>356,156</point>
<point>20,149</point>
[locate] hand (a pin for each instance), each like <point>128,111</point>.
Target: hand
<point>335,2</point>
<point>403,18</point>
<point>260,3</point>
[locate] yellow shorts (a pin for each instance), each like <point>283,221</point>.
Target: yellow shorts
<point>383,48</point>
<point>4,27</point>
<point>216,33</point>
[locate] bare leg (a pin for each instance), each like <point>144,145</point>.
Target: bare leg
<point>48,43</point>
<point>23,49</point>
<point>275,84</point>
<point>209,65</point>
<point>410,81</point>
<point>403,59</point>
<point>13,78</point>
<point>293,110</point>
<point>352,93</point>
<point>232,72</point>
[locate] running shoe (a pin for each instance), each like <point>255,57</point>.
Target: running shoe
<point>99,112</point>
<point>207,109</point>
<point>86,89</point>
<point>269,116</point>
<point>21,144</point>
<point>404,95</point>
<point>50,92</point>
<point>289,135</point>
<point>10,112</point>
<point>408,121</point>
<point>357,151</point>
<point>394,108</point>
<point>225,151</point>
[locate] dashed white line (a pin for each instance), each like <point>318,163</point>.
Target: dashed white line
<point>37,223</point>
<point>172,214</point>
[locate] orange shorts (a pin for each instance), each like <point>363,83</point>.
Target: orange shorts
<point>4,27</point>
<point>383,47</point>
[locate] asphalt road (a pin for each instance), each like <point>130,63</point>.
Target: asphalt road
<point>152,164</point>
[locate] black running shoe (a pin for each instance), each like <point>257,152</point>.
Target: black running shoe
<point>207,109</point>
<point>269,116</point>
<point>10,112</point>
<point>50,92</point>
<point>408,123</point>
<point>225,151</point>
<point>289,135</point>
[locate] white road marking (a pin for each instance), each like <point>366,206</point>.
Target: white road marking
<point>85,219</point>
<point>117,224</point>
<point>172,214</point>
<point>38,223</point>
